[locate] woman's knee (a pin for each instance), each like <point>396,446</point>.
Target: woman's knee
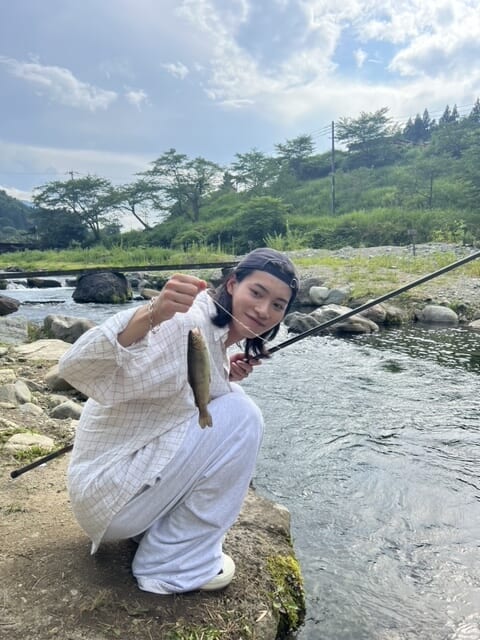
<point>244,416</point>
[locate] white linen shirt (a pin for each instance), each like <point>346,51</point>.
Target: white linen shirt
<point>139,407</point>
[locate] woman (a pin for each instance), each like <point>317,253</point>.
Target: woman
<point>141,466</point>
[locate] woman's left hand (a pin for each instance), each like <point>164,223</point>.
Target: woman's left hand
<point>241,368</point>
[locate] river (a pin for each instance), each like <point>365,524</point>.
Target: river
<point>373,444</point>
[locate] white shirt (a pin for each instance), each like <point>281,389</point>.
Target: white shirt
<point>139,406</point>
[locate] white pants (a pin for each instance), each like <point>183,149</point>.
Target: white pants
<point>196,499</point>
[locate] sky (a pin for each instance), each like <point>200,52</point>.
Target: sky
<point>104,87</point>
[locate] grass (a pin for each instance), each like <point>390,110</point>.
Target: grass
<point>365,276</point>
<point>374,276</point>
<point>31,454</point>
<point>102,257</point>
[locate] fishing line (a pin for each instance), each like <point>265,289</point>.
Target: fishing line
<point>240,322</point>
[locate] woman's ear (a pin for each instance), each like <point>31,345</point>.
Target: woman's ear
<point>230,284</point>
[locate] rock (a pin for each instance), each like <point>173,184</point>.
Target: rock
<point>299,322</point>
<point>475,324</point>
<point>66,328</point>
<point>436,314</point>
<point>318,295</point>
<point>22,392</point>
<point>55,382</point>
<point>337,296</point>
<point>303,296</point>
<point>355,324</point>
<point>7,375</point>
<point>395,315</point>
<point>7,394</point>
<point>32,409</point>
<point>42,350</point>
<point>43,283</point>
<point>106,287</point>
<point>377,314</point>
<point>8,305</point>
<point>24,441</point>
<point>13,330</point>
<point>15,392</point>
<point>68,409</point>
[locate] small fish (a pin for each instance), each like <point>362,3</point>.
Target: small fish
<point>199,375</point>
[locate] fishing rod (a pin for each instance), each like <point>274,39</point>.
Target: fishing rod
<point>18,472</point>
<point>372,303</point>
<point>300,336</point>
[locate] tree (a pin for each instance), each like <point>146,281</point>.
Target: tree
<point>87,199</point>
<point>184,183</point>
<point>474,115</point>
<point>449,116</point>
<point>257,219</point>
<point>418,131</point>
<point>58,229</point>
<point>369,138</point>
<point>254,170</point>
<point>138,198</point>
<point>293,153</point>
<point>471,171</point>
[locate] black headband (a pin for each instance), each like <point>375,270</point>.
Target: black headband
<point>273,262</point>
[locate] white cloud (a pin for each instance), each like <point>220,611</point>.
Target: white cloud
<point>60,85</point>
<point>44,164</point>
<point>137,97</point>
<point>176,69</point>
<point>25,196</point>
<point>360,56</point>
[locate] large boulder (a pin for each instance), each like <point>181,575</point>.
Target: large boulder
<point>8,305</point>
<point>108,287</point>
<point>298,322</point>
<point>436,314</point>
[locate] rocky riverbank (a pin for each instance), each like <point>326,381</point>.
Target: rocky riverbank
<point>52,587</point>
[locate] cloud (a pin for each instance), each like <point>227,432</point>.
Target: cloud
<point>60,85</point>
<point>176,69</point>
<point>360,56</point>
<point>137,97</point>
<point>25,196</point>
<point>43,164</point>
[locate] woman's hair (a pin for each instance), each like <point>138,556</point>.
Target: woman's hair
<point>263,259</point>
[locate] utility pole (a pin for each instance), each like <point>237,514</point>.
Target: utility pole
<point>333,168</point>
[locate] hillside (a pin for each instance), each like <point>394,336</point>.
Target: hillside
<point>15,218</point>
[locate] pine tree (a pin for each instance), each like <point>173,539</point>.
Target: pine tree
<point>474,115</point>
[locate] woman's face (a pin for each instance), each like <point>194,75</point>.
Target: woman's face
<point>259,303</point>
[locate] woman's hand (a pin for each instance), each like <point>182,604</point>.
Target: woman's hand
<point>177,296</point>
<point>241,368</point>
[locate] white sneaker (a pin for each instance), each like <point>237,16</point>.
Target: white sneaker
<point>222,579</point>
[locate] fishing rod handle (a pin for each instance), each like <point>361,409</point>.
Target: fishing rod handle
<point>36,463</point>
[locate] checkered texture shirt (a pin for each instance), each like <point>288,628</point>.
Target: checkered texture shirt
<point>140,404</point>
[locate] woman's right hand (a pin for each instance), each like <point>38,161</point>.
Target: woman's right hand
<point>177,296</point>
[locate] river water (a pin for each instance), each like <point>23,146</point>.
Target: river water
<point>373,444</point>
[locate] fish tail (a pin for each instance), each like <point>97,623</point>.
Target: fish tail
<point>205,419</point>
